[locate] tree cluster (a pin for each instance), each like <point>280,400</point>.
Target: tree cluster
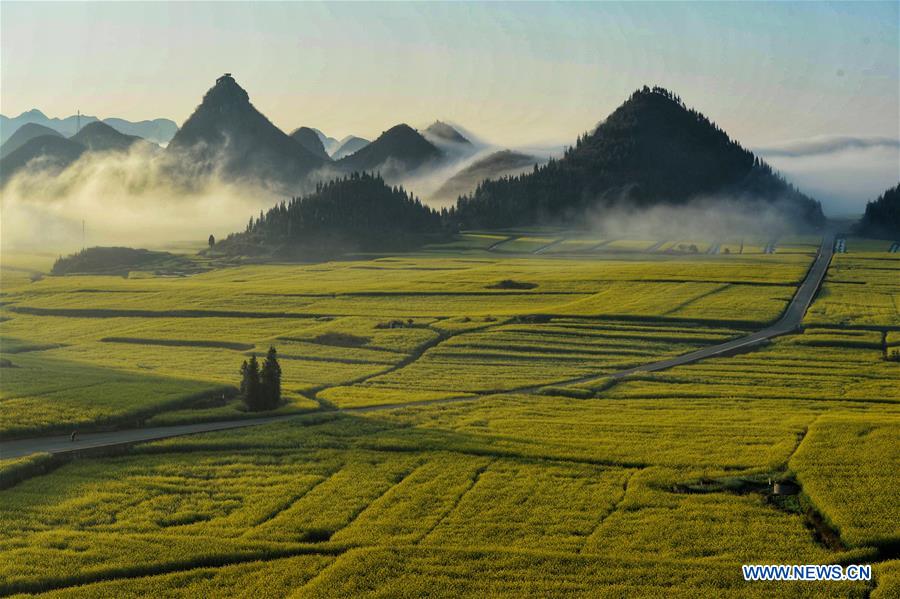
<point>882,216</point>
<point>652,149</point>
<point>261,385</point>
<point>359,206</point>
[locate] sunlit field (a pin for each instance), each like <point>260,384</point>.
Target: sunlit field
<point>455,427</point>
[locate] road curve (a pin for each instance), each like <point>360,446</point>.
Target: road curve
<point>788,322</point>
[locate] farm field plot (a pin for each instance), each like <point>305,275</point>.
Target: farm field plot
<point>821,364</point>
<point>511,356</point>
<point>547,478</point>
<point>860,290</point>
<point>857,245</point>
<point>408,480</point>
<point>448,309</point>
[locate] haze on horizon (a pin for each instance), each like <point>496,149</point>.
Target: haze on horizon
<point>530,74</point>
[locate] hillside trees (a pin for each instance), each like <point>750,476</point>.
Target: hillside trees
<point>651,150</point>
<point>882,217</point>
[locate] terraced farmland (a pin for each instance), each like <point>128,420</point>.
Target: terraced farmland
<point>545,478</point>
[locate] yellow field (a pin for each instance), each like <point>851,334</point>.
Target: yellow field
<point>504,460</point>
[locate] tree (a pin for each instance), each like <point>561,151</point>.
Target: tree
<point>250,384</point>
<point>212,240</point>
<point>270,380</point>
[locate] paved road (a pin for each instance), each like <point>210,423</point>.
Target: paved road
<point>788,322</point>
<point>17,448</point>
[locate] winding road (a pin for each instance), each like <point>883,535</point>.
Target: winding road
<point>790,320</point>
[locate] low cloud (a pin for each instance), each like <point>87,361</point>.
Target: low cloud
<point>138,198</point>
<point>818,146</point>
<point>842,172</point>
<point>703,219</point>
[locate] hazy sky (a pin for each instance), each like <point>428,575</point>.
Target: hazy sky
<point>513,73</point>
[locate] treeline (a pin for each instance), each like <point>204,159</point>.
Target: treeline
<point>652,149</point>
<point>115,260</point>
<point>358,208</point>
<point>882,216</point>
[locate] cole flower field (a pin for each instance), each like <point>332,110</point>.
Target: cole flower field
<point>526,484</point>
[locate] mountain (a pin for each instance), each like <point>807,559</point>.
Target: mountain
<point>309,139</point>
<point>23,134</point>
<point>882,216</point>
<point>499,164</point>
<point>349,145</point>
<point>358,212</point>
<point>651,150</point>
<point>47,152</point>
<point>439,132</point>
<point>100,137</point>
<point>159,131</point>
<point>226,133</point>
<point>329,143</point>
<point>398,150</point>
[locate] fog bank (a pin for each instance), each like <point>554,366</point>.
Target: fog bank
<point>134,199</point>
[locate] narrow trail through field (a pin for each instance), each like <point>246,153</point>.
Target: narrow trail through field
<point>553,243</point>
<point>494,246</point>
<point>789,321</point>
<point>655,247</point>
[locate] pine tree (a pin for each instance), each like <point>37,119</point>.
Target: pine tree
<point>270,380</point>
<point>250,384</point>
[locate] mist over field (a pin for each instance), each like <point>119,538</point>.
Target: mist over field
<point>136,198</point>
<point>705,218</point>
<point>842,172</point>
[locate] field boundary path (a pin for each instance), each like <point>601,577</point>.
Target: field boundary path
<point>789,321</point>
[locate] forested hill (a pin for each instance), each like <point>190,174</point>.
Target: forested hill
<point>882,217</point>
<point>356,212</point>
<point>651,150</point>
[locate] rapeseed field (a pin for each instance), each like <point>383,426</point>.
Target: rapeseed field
<point>458,426</point>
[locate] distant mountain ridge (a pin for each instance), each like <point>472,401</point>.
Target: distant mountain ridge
<point>329,143</point>
<point>45,149</point>
<point>442,132</point>
<point>309,139</point>
<point>100,137</point>
<point>24,134</point>
<point>651,150</point>
<point>495,165</point>
<point>349,145</point>
<point>159,131</point>
<point>42,153</point>
<point>400,149</point>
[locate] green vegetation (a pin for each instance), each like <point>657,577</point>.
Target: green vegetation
<point>120,261</point>
<point>650,150</point>
<point>882,217</point>
<point>320,224</point>
<point>261,385</point>
<point>483,447</point>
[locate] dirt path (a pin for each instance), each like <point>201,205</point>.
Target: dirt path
<point>544,248</point>
<point>789,321</point>
<point>493,246</point>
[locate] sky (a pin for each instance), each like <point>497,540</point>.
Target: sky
<point>513,73</point>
